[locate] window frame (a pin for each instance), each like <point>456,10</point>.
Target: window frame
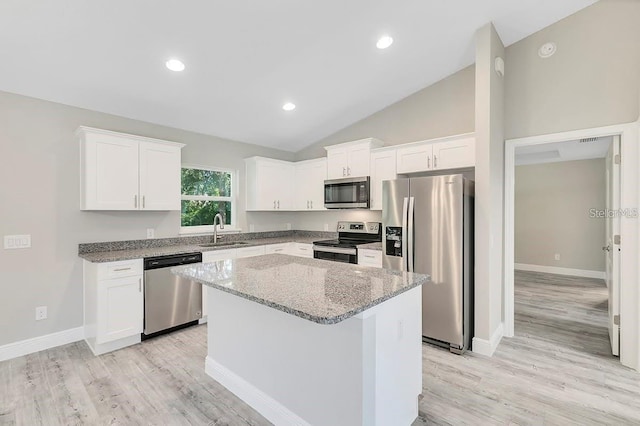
<point>233,199</point>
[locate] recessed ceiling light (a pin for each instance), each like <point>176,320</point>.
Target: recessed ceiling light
<point>175,65</point>
<point>384,42</point>
<point>289,106</point>
<point>547,50</point>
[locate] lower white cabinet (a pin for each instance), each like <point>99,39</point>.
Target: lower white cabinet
<point>212,256</point>
<point>282,248</point>
<point>370,258</point>
<point>249,251</point>
<point>113,304</point>
<point>301,249</point>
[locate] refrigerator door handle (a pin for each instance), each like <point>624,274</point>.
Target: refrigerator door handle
<point>405,207</point>
<point>411,234</point>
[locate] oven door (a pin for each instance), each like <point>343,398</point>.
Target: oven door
<point>336,254</point>
<point>347,193</point>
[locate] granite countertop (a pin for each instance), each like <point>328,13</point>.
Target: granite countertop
<point>371,246</point>
<point>321,291</point>
<point>139,249</point>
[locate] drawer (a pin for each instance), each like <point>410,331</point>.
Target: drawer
<point>370,258</point>
<point>249,251</point>
<point>123,268</point>
<point>301,249</point>
<point>277,248</point>
<point>215,255</point>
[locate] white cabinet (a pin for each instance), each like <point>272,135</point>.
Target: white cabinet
<point>309,184</point>
<point>301,249</point>
<point>370,258</point>
<point>350,159</point>
<point>249,251</point>
<point>128,172</point>
<point>270,184</point>
<point>442,154</point>
<point>113,304</point>
<point>383,167</point>
<point>207,257</point>
<point>282,248</point>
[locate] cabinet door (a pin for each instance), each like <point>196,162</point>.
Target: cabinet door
<point>159,177</point>
<point>285,193</point>
<point>301,249</point>
<point>215,255</point>
<point>267,180</point>
<point>250,251</point>
<point>282,248</point>
<point>358,160</point>
<point>337,160</point>
<point>120,308</point>
<point>110,173</point>
<point>309,185</point>
<point>370,258</point>
<point>383,167</point>
<point>454,154</point>
<point>416,158</point>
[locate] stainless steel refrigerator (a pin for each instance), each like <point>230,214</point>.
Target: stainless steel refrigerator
<point>428,228</point>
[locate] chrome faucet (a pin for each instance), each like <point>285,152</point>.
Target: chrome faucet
<point>220,220</point>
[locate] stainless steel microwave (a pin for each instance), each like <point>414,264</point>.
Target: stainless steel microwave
<point>347,193</point>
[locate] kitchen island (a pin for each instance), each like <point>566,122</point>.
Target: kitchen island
<point>307,341</point>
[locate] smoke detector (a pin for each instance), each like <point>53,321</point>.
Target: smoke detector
<point>547,50</point>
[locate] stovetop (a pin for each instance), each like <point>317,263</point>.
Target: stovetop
<point>346,243</point>
<point>350,234</point>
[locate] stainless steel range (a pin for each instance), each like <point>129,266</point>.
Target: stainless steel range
<point>350,235</point>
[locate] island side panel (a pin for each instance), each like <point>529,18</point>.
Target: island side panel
<point>312,370</point>
<point>366,370</point>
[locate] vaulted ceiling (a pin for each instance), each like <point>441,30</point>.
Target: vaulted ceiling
<point>244,59</point>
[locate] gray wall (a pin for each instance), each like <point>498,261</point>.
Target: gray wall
<point>442,109</point>
<point>593,79</point>
<point>39,193</point>
<point>552,203</point>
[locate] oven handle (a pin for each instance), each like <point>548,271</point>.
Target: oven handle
<point>338,250</point>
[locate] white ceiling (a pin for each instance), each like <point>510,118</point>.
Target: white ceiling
<point>246,58</point>
<point>563,151</point>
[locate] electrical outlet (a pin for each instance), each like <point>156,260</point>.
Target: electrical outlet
<point>556,256</point>
<point>17,241</point>
<point>41,313</point>
<point>288,226</point>
<point>151,233</point>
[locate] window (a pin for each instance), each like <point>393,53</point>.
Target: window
<point>206,192</point>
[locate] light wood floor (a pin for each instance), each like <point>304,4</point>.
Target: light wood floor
<point>556,371</point>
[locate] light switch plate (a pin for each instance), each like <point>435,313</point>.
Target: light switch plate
<point>17,241</point>
<point>151,233</point>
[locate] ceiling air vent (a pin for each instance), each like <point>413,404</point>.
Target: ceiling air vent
<point>586,140</point>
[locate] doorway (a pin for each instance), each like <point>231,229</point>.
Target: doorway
<point>629,270</point>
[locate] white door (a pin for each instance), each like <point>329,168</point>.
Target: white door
<point>358,157</point>
<point>383,167</point>
<point>120,308</point>
<point>159,177</point>
<point>111,173</point>
<point>612,247</point>
<point>454,154</point>
<point>337,163</point>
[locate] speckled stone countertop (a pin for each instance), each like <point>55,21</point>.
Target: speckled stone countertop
<point>139,249</point>
<point>321,291</point>
<point>371,246</point>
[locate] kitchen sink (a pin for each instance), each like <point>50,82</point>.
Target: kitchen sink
<point>224,244</point>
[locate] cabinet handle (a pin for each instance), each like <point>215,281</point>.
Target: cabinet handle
<point>311,203</point>
<point>348,171</point>
<point>278,203</point>
<point>140,285</point>
<point>369,256</point>
<point>307,204</point>
<point>435,161</point>
<point>428,162</point>
<point>274,204</point>
<point>135,201</point>
<point>143,202</point>
<point>344,171</point>
<point>121,269</point>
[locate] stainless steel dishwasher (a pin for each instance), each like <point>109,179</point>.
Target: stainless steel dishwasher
<point>170,302</point>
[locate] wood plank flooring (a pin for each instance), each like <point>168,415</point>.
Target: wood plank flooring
<point>556,371</point>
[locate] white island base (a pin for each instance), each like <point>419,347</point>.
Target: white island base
<point>365,370</point>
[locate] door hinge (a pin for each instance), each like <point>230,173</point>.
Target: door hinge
<point>616,239</point>
<point>616,319</point>
<point>616,159</point>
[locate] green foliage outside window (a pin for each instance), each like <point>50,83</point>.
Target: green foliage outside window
<point>204,194</point>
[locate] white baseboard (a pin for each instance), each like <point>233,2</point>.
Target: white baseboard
<point>271,409</point>
<point>37,344</point>
<point>560,271</point>
<point>488,347</point>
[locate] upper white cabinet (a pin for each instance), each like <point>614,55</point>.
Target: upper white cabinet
<point>270,184</point>
<point>350,158</point>
<point>441,154</point>
<point>128,172</point>
<point>383,167</point>
<point>309,184</point>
